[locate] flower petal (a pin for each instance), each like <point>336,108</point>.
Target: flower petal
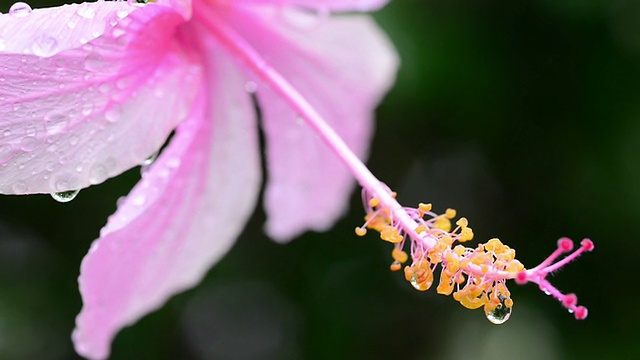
<point>331,5</point>
<point>80,103</point>
<point>342,66</point>
<point>180,219</point>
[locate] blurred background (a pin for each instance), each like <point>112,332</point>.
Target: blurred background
<point>521,115</point>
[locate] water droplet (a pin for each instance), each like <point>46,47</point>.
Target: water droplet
<point>55,122</point>
<point>44,46</point>
<point>500,314</point>
<point>139,200</point>
<point>93,62</point>
<point>7,132</point>
<point>98,174</point>
<point>87,109</point>
<point>87,12</point>
<point>173,163</point>
<point>28,143</point>
<point>72,24</point>
<point>414,281</point>
<point>19,187</point>
<point>65,196</point>
<point>151,159</point>
<point>306,21</point>
<point>73,140</point>
<point>113,113</point>
<point>104,88</point>
<point>121,14</point>
<point>20,9</point>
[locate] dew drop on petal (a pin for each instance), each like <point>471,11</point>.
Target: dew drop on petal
<point>44,45</point>
<point>87,12</point>
<point>28,143</point>
<point>87,109</point>
<point>500,314</point>
<point>173,163</point>
<point>104,88</point>
<point>121,14</point>
<point>113,113</point>
<point>98,174</point>
<point>139,200</point>
<point>65,196</point>
<point>19,187</point>
<point>93,62</point>
<point>20,9</point>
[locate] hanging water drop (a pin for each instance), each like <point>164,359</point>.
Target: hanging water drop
<point>421,283</point>
<point>65,196</point>
<point>500,314</point>
<point>414,281</point>
<point>151,159</point>
<point>20,9</point>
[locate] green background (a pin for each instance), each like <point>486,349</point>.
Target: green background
<point>521,115</point>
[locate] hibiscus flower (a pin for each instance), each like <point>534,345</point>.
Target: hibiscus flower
<point>88,91</point>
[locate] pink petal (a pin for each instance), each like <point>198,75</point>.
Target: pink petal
<point>88,92</point>
<point>179,220</point>
<point>342,66</point>
<point>182,7</point>
<point>331,5</point>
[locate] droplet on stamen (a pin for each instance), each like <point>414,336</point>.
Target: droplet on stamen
<point>500,314</point>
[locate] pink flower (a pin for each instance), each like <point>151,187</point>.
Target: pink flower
<point>88,91</point>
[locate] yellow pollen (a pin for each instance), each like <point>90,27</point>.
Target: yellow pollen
<point>399,255</point>
<point>424,207</point>
<point>450,213</point>
<point>374,202</point>
<point>361,231</point>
